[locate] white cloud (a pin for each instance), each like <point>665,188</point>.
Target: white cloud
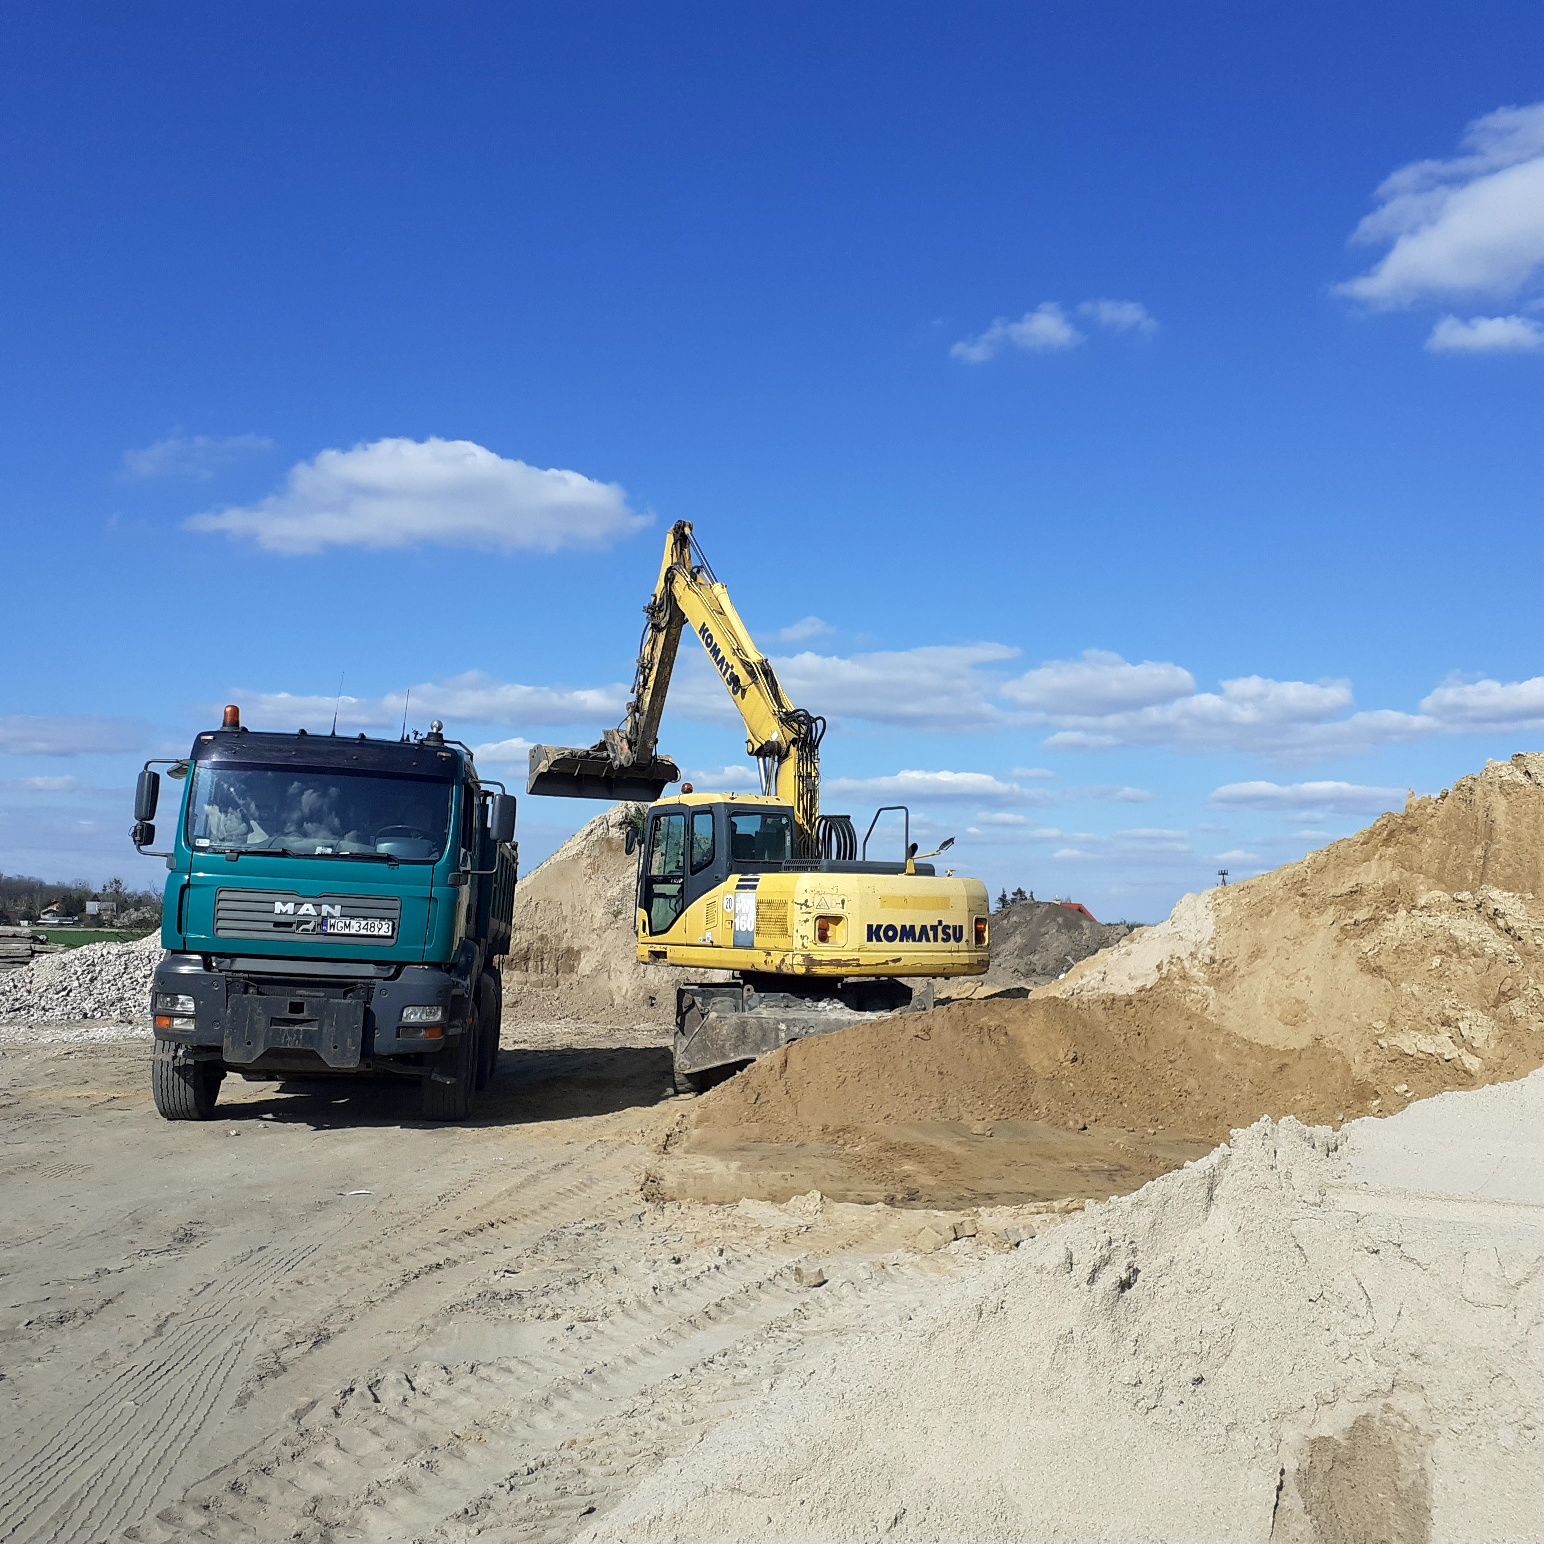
<point>52,784</point>
<point>496,753</point>
<point>735,778</point>
<point>1001,818</point>
<point>33,734</point>
<point>1049,330</point>
<point>470,698</point>
<point>1032,774</point>
<point>1471,225</point>
<point>1487,704</point>
<point>1237,855</point>
<point>1120,316</point>
<point>803,630</point>
<point>1339,798</point>
<point>1070,855</point>
<point>192,457</point>
<point>1100,682</point>
<point>402,493</point>
<point>1045,330</point>
<point>1486,335</point>
<point>1251,713</point>
<point>936,785</point>
<point>1153,836</point>
<point>942,687</point>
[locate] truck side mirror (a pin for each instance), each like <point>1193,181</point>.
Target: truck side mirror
<point>501,818</point>
<point>147,791</point>
<point>630,840</point>
<point>143,833</point>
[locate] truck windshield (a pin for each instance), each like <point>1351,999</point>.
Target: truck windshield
<point>317,812</point>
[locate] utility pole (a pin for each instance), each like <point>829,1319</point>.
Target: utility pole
<point>1222,878</point>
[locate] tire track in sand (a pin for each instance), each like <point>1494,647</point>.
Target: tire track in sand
<point>521,1448</point>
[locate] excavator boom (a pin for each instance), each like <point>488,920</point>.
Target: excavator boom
<point>625,763</point>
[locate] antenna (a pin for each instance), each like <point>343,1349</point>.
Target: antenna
<point>338,704</point>
<point>407,699</point>
<point>1222,877</point>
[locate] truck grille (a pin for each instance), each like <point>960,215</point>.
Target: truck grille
<point>281,914</point>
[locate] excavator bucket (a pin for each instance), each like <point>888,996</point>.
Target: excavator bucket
<point>571,772</point>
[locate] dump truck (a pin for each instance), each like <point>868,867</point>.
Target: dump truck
<point>816,932</point>
<point>335,906</point>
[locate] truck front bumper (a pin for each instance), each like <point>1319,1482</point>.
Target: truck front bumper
<point>248,1017</point>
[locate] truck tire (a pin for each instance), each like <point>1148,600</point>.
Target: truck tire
<point>447,1091</point>
<point>183,1089</point>
<point>490,1010</point>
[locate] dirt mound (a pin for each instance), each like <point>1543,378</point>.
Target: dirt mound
<point>986,1103</point>
<point>1034,942</point>
<point>1416,947</point>
<point>1389,966</point>
<point>572,955</point>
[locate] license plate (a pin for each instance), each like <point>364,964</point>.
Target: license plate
<point>362,927</point>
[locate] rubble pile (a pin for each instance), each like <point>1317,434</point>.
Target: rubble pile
<point>109,983</point>
<point>1034,942</point>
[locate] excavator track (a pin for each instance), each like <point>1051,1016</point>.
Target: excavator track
<point>723,1026</point>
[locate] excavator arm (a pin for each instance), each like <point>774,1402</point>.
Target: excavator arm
<point>625,764</point>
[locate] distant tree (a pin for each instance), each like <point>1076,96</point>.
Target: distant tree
<point>1018,895</point>
<point>1002,900</point>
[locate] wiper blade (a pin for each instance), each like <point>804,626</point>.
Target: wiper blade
<point>364,857</point>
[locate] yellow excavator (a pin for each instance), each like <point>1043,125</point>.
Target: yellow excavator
<point>817,933</point>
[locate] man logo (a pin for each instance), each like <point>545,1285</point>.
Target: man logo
<point>305,909</point>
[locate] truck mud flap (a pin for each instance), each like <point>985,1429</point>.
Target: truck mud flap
<point>333,1028</point>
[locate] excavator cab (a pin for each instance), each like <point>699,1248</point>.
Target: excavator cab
<point>695,844</point>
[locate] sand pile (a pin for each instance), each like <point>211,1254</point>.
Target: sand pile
<point>1300,1338</point>
<point>1402,961</point>
<point>108,981</point>
<point>1034,942</point>
<point>1416,947</point>
<point>572,955</point>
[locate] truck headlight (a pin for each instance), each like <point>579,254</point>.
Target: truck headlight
<point>422,1013</point>
<point>173,1002</point>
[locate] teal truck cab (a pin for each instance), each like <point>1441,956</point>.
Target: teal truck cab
<point>335,906</point>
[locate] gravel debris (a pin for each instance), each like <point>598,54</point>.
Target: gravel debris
<point>105,983</point>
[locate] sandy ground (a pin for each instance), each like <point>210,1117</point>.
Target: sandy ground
<point>317,1318</point>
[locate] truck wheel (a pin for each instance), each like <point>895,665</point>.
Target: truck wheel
<point>489,1012</point>
<point>452,1100</point>
<point>184,1089</point>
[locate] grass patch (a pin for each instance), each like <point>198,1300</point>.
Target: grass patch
<point>74,937</point>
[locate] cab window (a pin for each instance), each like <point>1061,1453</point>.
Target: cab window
<point>762,836</point>
<point>665,855</point>
<point>702,840</point>
<point>664,871</point>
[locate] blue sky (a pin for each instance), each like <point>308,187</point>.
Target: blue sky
<point>1122,421</point>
